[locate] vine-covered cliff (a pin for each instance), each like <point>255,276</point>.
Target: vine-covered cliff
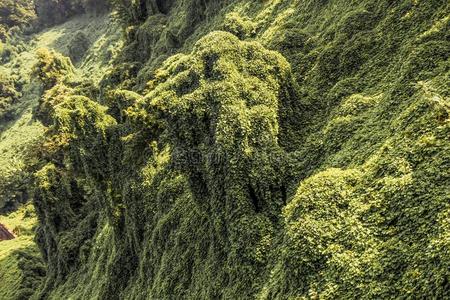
<point>204,149</point>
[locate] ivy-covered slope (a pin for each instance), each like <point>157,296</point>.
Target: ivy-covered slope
<point>21,265</point>
<point>284,149</point>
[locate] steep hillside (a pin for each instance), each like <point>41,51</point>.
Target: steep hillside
<point>22,268</point>
<point>279,149</point>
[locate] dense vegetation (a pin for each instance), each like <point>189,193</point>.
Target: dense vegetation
<point>21,267</point>
<point>15,13</point>
<point>285,149</point>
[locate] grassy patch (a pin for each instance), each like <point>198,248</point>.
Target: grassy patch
<point>21,268</point>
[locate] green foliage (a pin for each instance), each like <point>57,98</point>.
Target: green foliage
<point>15,13</point>
<point>241,27</point>
<point>8,96</point>
<point>6,53</point>
<point>51,67</point>
<point>361,227</point>
<point>78,46</point>
<point>132,12</point>
<point>157,30</point>
<point>14,189</point>
<point>96,6</point>
<point>128,12</point>
<point>217,121</point>
<point>21,268</point>
<point>19,135</point>
<point>49,101</point>
<point>325,240</point>
<point>118,101</point>
<point>20,141</point>
<point>206,166</point>
<point>76,138</point>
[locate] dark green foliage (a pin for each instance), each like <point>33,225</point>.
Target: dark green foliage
<point>15,13</point>
<point>6,53</point>
<point>33,271</point>
<point>51,12</point>
<point>153,36</point>
<point>129,12</point>
<point>216,121</point>
<point>65,235</point>
<point>96,6</point>
<point>8,96</point>
<point>78,46</point>
<point>64,238</point>
<point>323,230</point>
<point>21,267</point>
<point>118,101</point>
<point>230,171</point>
<point>49,100</point>
<point>14,190</point>
<point>54,71</point>
<point>361,228</point>
<point>79,130</point>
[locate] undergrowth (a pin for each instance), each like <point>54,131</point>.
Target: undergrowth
<point>21,267</point>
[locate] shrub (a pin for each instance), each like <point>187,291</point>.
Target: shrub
<point>14,189</point>
<point>51,67</point>
<point>241,27</point>
<point>323,232</point>
<point>6,52</point>
<point>15,13</point>
<point>8,96</point>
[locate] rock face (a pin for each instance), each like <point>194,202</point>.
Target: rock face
<point>5,234</point>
